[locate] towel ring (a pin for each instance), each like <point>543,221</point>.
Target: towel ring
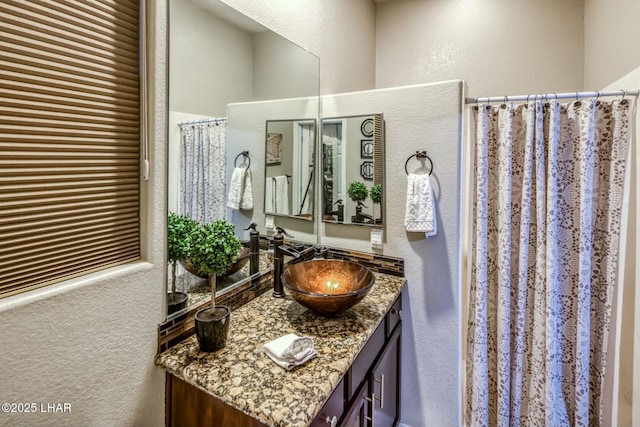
<point>245,155</point>
<point>419,155</point>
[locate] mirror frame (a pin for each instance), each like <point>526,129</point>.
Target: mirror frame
<point>376,135</point>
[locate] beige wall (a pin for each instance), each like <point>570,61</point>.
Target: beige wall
<point>199,82</point>
<point>498,47</point>
<point>611,41</point>
<point>91,341</point>
<point>341,33</point>
<point>422,117</point>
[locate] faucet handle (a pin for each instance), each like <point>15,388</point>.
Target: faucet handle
<point>281,230</point>
<point>319,249</point>
<point>252,226</point>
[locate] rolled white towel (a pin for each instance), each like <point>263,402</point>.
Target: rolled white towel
<point>290,350</point>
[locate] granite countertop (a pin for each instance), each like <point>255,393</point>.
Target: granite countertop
<point>244,377</point>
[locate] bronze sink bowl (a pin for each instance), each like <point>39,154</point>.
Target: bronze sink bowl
<point>328,286</point>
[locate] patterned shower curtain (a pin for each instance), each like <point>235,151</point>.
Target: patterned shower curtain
<point>203,165</point>
<point>547,211</point>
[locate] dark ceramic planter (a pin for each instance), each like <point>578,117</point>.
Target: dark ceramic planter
<point>176,302</point>
<point>212,329</point>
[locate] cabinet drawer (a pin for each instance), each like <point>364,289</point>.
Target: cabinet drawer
<point>394,315</point>
<point>332,408</point>
<point>365,359</point>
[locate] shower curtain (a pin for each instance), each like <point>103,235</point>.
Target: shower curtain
<point>547,212</point>
<point>203,165</point>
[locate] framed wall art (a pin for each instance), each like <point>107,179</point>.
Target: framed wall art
<point>366,148</point>
<point>274,148</point>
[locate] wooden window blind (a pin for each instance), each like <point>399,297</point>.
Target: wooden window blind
<point>69,139</point>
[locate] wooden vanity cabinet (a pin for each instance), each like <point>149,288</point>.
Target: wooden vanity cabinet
<point>371,390</point>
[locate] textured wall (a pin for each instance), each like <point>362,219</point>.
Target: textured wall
<point>498,47</point>
<point>199,81</point>
<point>341,33</point>
<point>91,341</point>
<point>610,41</point>
<point>424,117</point>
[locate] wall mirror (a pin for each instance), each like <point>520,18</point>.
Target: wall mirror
<point>289,160</point>
<point>353,170</point>
<point>217,57</point>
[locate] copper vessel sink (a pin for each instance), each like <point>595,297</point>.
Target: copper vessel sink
<point>328,286</point>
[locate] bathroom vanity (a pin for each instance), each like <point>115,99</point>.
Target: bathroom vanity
<point>354,380</point>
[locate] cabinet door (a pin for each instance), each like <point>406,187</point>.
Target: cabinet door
<point>384,384</point>
<point>332,409</point>
<point>359,410</point>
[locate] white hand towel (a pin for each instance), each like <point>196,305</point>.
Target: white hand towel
<point>290,350</point>
<point>420,213</point>
<point>246,201</point>
<point>235,188</point>
<point>282,195</point>
<point>269,193</point>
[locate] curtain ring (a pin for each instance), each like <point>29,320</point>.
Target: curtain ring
<point>624,93</point>
<point>598,95</point>
<point>576,96</point>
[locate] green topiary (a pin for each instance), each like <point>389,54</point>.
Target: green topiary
<point>357,191</point>
<point>213,248</point>
<point>179,230</point>
<point>376,193</point>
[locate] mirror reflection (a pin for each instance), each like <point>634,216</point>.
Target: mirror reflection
<point>352,170</point>
<point>289,154</point>
<point>217,57</point>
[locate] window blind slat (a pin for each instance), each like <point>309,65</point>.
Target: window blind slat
<point>69,140</point>
<point>35,88</point>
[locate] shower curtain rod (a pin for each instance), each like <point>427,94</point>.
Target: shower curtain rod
<point>200,121</point>
<point>549,96</point>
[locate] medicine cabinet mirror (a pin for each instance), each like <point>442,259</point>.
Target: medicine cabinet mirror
<point>353,170</point>
<point>289,160</point>
<point>218,56</point>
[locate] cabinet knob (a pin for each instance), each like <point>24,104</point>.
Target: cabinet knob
<point>398,312</point>
<point>332,421</point>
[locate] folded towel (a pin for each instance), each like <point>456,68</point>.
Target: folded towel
<point>246,202</point>
<point>420,213</point>
<point>235,188</point>
<point>282,195</point>
<point>240,190</point>
<point>269,192</point>
<point>290,350</point>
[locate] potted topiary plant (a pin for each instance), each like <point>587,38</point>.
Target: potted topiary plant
<point>358,192</point>
<point>213,248</point>
<point>376,198</point>
<point>179,230</point>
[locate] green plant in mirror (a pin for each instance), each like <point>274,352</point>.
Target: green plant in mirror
<point>376,193</point>
<point>180,228</point>
<point>357,191</point>
<point>213,248</point>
